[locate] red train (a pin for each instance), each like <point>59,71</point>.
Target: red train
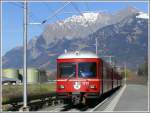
<point>83,75</point>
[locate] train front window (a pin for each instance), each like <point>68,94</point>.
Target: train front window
<point>67,70</point>
<point>87,70</point>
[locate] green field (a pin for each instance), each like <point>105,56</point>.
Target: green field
<point>14,93</point>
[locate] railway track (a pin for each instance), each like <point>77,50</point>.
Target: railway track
<point>70,108</point>
<point>65,107</point>
<point>34,105</point>
<point>101,104</point>
<point>55,105</point>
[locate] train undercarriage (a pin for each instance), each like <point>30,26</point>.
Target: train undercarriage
<point>78,97</point>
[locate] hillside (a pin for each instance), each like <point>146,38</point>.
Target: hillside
<point>123,35</point>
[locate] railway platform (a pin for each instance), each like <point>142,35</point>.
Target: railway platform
<point>134,98</point>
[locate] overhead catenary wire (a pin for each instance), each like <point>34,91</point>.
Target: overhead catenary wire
<point>51,10</point>
<point>56,16</point>
<point>17,4</point>
<point>30,14</point>
<point>33,16</point>
<point>56,12</point>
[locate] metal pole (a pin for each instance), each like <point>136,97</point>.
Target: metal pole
<point>25,55</point>
<point>110,60</point>
<point>96,45</point>
<point>125,71</point>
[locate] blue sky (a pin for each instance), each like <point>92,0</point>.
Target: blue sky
<point>12,16</point>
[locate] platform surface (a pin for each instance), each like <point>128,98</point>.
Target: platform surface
<point>134,98</point>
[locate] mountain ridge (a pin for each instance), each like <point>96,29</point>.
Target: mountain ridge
<point>44,49</point>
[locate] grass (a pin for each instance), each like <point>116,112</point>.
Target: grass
<point>14,93</point>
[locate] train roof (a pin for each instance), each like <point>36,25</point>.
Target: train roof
<point>78,54</point>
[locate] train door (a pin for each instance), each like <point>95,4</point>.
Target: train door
<point>100,77</point>
<point>112,78</point>
<point>105,82</point>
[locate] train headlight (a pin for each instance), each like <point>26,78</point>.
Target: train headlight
<point>92,86</point>
<point>61,86</point>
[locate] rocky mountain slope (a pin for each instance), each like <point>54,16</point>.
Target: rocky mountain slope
<point>123,35</point>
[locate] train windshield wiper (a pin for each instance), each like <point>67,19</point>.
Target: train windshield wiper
<point>71,76</point>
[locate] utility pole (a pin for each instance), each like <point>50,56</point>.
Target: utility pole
<point>25,54</point>
<point>96,46</point>
<point>118,68</point>
<point>25,35</point>
<point>110,58</point>
<point>125,73</point>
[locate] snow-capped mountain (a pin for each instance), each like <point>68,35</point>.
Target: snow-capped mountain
<point>81,25</point>
<point>142,15</point>
<point>76,26</point>
<point>123,34</point>
<point>84,18</point>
